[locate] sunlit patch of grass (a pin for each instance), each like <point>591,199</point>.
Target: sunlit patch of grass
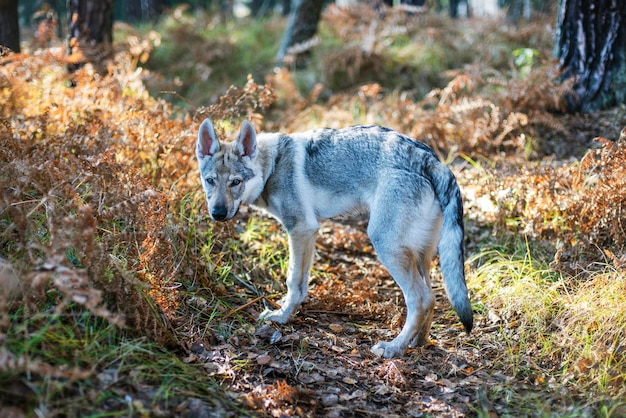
<point>514,279</point>
<point>265,244</point>
<point>555,331</point>
<point>594,321</point>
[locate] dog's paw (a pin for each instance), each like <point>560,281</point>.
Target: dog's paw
<point>388,350</point>
<point>419,340</point>
<point>278,315</point>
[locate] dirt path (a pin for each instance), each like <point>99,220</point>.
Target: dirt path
<point>320,363</point>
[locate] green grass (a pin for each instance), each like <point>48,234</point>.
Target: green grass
<point>75,363</point>
<point>207,56</point>
<point>270,253</point>
<point>552,329</point>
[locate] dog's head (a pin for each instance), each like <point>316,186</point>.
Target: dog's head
<point>229,173</point>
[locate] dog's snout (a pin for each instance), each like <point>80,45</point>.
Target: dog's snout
<point>219,213</point>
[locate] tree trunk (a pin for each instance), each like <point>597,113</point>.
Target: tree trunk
<point>514,9</point>
<point>302,27</point>
<point>90,32</point>
<point>591,46</point>
<point>262,8</point>
<point>143,10</point>
<point>454,8</point>
<point>9,25</point>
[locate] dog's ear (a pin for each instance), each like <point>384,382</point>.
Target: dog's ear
<point>246,143</point>
<point>208,144</point>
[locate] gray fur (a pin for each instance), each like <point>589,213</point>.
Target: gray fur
<point>413,201</point>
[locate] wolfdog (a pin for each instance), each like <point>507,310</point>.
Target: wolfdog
<point>412,199</point>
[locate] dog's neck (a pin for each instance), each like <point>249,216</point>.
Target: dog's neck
<point>267,159</point>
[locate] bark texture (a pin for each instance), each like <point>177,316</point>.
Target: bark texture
<point>9,25</point>
<point>302,27</point>
<point>591,47</point>
<point>90,31</point>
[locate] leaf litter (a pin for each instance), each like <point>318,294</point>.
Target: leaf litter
<point>320,363</point>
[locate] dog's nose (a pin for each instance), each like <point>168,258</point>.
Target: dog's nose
<point>219,213</point>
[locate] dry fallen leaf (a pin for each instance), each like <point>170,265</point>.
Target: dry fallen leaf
<point>336,328</point>
<point>263,359</point>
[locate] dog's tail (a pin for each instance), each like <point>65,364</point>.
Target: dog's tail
<point>451,253</point>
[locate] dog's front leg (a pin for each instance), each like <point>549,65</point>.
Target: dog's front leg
<point>301,249</point>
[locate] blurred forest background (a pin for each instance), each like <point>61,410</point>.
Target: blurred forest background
<point>120,298</point>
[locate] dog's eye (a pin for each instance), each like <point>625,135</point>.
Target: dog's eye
<point>210,181</point>
<point>235,182</point>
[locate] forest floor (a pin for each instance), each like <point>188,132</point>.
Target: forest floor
<point>320,363</point>
<point>120,297</point>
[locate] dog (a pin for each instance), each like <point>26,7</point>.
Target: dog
<point>412,199</point>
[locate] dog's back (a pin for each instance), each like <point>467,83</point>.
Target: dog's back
<point>339,171</point>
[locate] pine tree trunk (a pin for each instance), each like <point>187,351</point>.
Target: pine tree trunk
<point>90,32</point>
<point>302,27</point>
<point>591,46</point>
<point>9,25</point>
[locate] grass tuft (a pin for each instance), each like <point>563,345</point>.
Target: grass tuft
<point>555,330</point>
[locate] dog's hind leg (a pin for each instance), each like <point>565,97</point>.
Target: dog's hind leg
<point>424,327</point>
<point>402,263</point>
<point>404,241</point>
<point>301,249</point>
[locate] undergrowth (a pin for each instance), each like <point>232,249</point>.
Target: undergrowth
<point>561,333</point>
<point>93,178</point>
<point>386,67</point>
<point>114,283</point>
<point>199,56</point>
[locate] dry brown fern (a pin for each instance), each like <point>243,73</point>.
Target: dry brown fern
<point>238,102</point>
<point>348,66</point>
<point>600,211</point>
<point>58,174</point>
<point>578,208</point>
<point>92,178</point>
